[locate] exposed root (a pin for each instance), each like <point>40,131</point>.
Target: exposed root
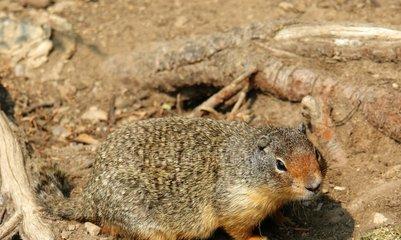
<point>322,128</point>
<point>341,41</point>
<point>214,59</point>
<point>238,104</point>
<point>15,184</point>
<point>381,107</point>
<point>225,93</point>
<point>8,227</point>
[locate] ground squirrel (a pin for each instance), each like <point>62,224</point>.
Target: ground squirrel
<point>182,178</point>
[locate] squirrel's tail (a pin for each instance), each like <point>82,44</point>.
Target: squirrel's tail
<point>52,191</point>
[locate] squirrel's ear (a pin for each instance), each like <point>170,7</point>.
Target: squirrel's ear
<point>302,128</point>
<point>263,142</point>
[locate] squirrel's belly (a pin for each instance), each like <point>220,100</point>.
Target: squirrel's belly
<point>252,204</point>
<point>202,227</point>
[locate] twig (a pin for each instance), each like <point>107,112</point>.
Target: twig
<point>241,98</point>
<point>3,214</point>
<point>9,226</point>
<point>223,94</point>
<point>348,116</point>
<point>111,116</point>
<point>15,183</point>
<point>38,105</point>
<point>179,103</point>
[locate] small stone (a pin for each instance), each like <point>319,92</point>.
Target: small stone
<point>71,227</point>
<point>65,234</point>
<point>338,188</point>
<point>167,106</point>
<point>92,229</point>
<point>286,6</point>
<point>60,131</point>
<point>19,70</point>
<point>395,85</point>
<point>95,114</point>
<point>325,190</point>
<point>379,218</point>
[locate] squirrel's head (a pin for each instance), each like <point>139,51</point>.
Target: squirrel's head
<point>293,166</point>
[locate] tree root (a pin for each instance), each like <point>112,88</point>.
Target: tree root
<point>214,59</point>
<point>341,42</point>
<point>15,184</point>
<point>322,128</point>
<point>225,93</point>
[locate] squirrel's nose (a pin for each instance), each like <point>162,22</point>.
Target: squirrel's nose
<point>314,186</point>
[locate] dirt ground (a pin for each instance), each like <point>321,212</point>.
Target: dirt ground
<point>363,195</point>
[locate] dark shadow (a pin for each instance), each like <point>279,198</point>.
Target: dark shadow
<point>192,96</point>
<point>6,102</point>
<point>323,218</point>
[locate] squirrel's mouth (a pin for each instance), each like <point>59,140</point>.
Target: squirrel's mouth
<point>302,193</point>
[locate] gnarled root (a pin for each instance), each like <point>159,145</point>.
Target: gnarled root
<point>15,184</point>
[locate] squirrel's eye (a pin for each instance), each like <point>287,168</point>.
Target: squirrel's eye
<point>280,165</point>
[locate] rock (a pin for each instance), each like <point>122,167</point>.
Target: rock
<point>38,55</point>
<point>95,114</point>
<point>379,218</point>
<point>395,85</point>
<point>92,229</point>
<point>325,190</point>
<point>24,42</point>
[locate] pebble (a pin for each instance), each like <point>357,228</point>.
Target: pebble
<point>286,6</point>
<point>95,114</point>
<point>338,188</point>
<point>37,56</point>
<point>92,229</point>
<point>379,218</point>
<point>395,85</point>
<point>71,227</point>
<point>325,190</point>
<point>60,131</point>
<point>65,234</point>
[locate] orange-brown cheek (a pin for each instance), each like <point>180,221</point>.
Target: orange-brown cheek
<point>303,167</point>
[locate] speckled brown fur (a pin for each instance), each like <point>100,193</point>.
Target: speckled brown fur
<point>173,178</point>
